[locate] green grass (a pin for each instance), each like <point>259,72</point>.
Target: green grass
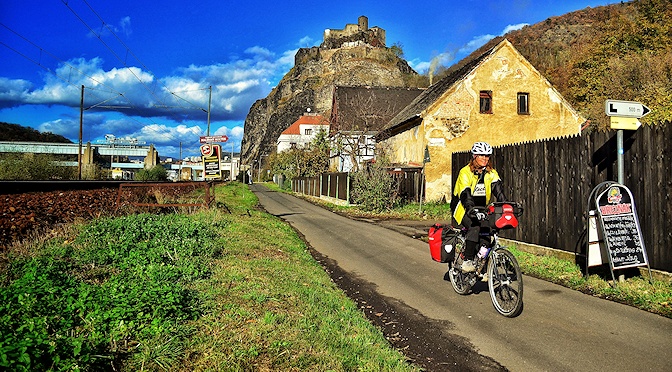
<point>210,291</point>
<point>654,296</point>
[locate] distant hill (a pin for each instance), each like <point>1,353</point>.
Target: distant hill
<point>620,51</point>
<point>18,133</point>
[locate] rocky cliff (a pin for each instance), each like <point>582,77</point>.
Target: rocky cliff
<point>310,84</point>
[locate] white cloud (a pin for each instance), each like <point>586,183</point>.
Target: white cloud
<point>509,28</point>
<point>163,110</point>
<point>13,90</point>
<point>305,42</point>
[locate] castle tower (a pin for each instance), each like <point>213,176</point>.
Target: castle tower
<point>363,23</point>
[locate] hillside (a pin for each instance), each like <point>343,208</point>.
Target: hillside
<point>18,133</point>
<point>620,51</point>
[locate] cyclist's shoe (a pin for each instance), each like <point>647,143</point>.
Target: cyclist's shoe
<point>468,266</point>
<point>484,278</point>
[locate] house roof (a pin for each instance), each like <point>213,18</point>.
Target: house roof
<point>305,119</point>
<point>409,115</point>
<point>367,108</point>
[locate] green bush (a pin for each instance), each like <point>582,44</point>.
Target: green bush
<point>156,173</point>
<point>374,189</point>
<point>121,282</point>
<point>29,167</point>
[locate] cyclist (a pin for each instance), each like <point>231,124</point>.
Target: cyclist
<point>476,183</point>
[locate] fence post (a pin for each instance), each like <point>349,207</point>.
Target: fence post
<point>347,192</point>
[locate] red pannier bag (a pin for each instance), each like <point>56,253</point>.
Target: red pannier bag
<point>441,245</point>
<point>503,216</point>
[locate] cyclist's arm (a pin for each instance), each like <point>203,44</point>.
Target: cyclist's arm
<point>498,191</point>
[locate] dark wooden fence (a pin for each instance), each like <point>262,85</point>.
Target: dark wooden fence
<point>553,180</point>
<point>335,185</point>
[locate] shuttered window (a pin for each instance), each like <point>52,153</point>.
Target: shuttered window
<point>486,102</point>
<point>523,103</point>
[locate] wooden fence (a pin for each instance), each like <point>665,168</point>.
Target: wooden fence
<point>553,180</point>
<point>334,185</point>
<point>337,185</point>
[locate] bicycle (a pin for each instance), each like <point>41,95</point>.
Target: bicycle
<point>505,281</point>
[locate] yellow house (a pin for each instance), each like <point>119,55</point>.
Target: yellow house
<point>494,95</point>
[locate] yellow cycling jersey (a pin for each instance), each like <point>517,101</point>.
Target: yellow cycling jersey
<point>467,178</point>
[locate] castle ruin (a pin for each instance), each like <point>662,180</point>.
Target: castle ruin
<point>353,35</point>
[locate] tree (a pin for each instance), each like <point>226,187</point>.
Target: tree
<point>309,161</point>
<point>364,112</point>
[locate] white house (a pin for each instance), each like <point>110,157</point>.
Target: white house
<point>302,131</point>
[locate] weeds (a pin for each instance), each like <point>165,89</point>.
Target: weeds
<point>217,290</point>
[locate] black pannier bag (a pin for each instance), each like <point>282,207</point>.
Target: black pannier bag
<point>443,241</point>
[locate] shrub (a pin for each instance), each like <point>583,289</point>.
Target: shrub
<point>374,189</point>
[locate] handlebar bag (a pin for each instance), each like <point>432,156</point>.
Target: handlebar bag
<point>503,216</point>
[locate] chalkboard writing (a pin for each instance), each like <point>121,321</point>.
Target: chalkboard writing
<point>620,226</point>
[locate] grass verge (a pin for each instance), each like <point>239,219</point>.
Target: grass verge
<point>214,290</point>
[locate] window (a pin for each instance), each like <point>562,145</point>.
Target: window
<point>523,103</point>
<point>486,102</point>
<point>308,132</point>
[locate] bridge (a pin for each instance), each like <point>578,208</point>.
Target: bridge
<point>73,148</point>
<point>113,149</point>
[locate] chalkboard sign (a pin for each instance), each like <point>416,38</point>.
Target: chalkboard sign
<point>620,227</point>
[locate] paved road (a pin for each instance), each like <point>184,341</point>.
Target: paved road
<point>559,329</point>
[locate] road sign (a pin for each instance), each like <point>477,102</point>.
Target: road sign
<point>625,109</point>
<point>212,163</point>
<point>210,139</point>
<point>206,150</point>
<point>618,122</point>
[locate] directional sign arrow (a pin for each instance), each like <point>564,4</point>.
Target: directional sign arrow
<point>625,109</point>
<point>619,122</point>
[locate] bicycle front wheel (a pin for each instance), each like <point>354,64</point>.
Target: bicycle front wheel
<point>505,282</point>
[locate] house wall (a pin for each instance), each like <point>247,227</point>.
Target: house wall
<point>454,123</point>
<point>301,140</point>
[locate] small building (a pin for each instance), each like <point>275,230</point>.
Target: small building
<point>494,95</point>
<point>302,132</point>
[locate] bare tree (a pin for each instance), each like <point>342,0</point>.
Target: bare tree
<point>360,113</point>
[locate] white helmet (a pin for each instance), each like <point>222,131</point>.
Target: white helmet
<point>481,148</point>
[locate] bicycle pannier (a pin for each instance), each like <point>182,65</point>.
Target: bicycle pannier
<point>442,241</point>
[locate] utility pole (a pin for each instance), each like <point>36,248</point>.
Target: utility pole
<point>209,104</point>
<point>81,121</point>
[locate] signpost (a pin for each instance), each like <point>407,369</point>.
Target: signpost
<point>623,116</point>
<point>211,139</point>
<point>211,155</point>
<point>627,109</point>
<point>625,123</point>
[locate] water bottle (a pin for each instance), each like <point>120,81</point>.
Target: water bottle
<point>483,252</point>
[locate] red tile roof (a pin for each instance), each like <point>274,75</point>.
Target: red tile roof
<point>303,120</point>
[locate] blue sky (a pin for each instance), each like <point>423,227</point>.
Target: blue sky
<point>147,65</point>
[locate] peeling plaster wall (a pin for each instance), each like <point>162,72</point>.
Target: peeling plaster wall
<point>453,123</point>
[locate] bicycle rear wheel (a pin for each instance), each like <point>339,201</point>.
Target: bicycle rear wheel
<point>505,282</point>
